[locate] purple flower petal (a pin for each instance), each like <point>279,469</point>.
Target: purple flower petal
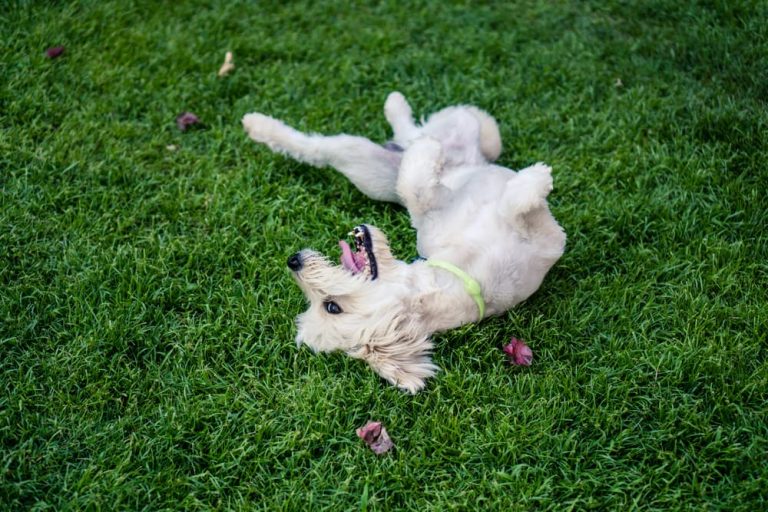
<point>375,436</point>
<point>55,51</point>
<point>519,353</point>
<point>185,120</point>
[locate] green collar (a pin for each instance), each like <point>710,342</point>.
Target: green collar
<point>470,284</point>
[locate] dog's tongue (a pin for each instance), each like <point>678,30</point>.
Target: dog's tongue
<point>348,260</point>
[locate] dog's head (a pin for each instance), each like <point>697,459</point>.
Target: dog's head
<point>364,307</point>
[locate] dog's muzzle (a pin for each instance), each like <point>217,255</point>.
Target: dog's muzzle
<point>295,262</point>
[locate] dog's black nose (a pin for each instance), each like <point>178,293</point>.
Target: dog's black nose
<point>295,263</point>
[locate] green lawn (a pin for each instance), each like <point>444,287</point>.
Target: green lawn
<point>146,315</point>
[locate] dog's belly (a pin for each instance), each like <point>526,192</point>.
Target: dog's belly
<point>466,222</point>
<point>469,232</point>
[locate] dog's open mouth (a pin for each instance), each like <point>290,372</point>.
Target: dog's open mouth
<point>362,258</point>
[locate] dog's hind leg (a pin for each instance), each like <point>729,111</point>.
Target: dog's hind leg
<point>369,166</point>
<point>462,126</point>
<point>400,117</point>
<point>418,183</point>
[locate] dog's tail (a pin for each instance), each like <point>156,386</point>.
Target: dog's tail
<point>490,138</point>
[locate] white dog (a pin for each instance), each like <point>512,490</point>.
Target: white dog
<point>486,233</point>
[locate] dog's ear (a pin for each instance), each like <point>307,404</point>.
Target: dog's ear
<point>404,360</point>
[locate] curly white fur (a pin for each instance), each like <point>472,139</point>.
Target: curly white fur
<point>491,222</point>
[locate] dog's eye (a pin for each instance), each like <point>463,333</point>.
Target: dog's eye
<point>331,307</point>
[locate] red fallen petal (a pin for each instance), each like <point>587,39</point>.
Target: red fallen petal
<point>370,431</point>
<point>54,52</point>
<point>519,353</point>
<point>185,120</point>
<point>375,436</point>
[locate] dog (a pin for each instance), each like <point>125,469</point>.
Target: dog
<point>485,234</point>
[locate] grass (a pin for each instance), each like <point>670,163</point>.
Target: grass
<point>146,334</point>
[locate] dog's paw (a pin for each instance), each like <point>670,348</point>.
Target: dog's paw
<point>409,376</point>
<point>414,378</point>
<point>527,190</point>
<point>262,128</point>
<point>397,107</point>
<point>539,178</point>
<point>411,384</point>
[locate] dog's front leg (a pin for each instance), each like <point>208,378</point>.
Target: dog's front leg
<point>370,167</point>
<point>418,183</point>
<point>525,191</point>
<point>406,364</point>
